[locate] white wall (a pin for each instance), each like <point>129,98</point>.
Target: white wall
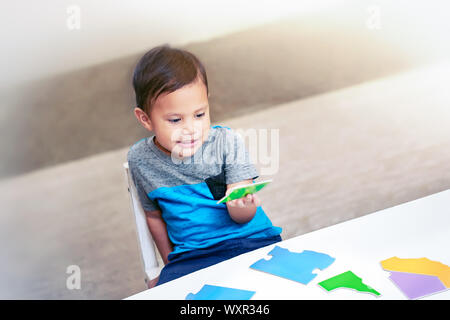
<point>40,38</point>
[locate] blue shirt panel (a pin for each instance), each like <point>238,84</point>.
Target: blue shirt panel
<point>194,220</point>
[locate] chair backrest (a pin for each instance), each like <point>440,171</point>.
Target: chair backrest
<point>146,244</point>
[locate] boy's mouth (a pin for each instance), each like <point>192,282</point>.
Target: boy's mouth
<point>187,143</point>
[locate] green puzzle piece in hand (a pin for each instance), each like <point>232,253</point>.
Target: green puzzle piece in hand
<point>241,191</point>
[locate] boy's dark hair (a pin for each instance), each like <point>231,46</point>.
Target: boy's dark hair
<point>164,69</point>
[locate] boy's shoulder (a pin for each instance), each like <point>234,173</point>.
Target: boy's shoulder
<point>225,133</point>
<point>228,135</point>
<point>138,150</point>
<point>220,128</point>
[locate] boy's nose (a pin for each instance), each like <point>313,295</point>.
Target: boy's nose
<point>190,128</point>
<point>188,131</point>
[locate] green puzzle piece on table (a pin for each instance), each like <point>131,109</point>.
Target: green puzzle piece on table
<point>242,191</point>
<point>347,280</point>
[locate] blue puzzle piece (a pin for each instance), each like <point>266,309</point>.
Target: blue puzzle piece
<point>210,292</point>
<point>297,266</point>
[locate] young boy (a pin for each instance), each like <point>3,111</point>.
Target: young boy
<point>186,166</point>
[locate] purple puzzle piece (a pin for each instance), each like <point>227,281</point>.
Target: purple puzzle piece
<point>415,285</point>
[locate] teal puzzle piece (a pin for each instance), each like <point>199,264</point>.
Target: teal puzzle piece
<point>210,292</point>
<point>297,266</point>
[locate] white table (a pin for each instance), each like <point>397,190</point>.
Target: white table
<point>420,228</point>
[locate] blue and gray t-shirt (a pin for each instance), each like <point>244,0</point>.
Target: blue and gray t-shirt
<point>186,191</point>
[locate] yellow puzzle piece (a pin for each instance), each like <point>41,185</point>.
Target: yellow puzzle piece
<point>420,266</point>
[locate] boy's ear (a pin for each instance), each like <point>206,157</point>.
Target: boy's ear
<point>143,118</point>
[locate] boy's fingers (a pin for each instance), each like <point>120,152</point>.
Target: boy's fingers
<point>245,201</point>
<point>248,199</point>
<point>256,200</point>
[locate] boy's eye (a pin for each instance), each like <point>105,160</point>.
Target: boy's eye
<point>176,120</point>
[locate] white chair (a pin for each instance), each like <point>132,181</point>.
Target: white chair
<point>149,259</point>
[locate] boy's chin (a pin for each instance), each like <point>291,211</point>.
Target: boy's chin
<point>181,153</point>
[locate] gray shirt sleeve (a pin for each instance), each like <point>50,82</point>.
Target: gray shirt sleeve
<point>237,163</point>
<point>142,188</point>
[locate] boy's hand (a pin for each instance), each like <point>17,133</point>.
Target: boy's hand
<point>247,201</point>
<point>244,209</point>
<point>152,283</point>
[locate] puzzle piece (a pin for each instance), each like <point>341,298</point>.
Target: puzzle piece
<point>297,266</point>
<point>347,280</point>
<point>420,266</point>
<point>210,292</point>
<point>416,285</point>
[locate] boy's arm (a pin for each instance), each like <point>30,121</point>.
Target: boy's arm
<point>242,210</point>
<point>158,229</point>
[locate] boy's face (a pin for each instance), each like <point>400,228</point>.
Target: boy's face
<point>178,118</point>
